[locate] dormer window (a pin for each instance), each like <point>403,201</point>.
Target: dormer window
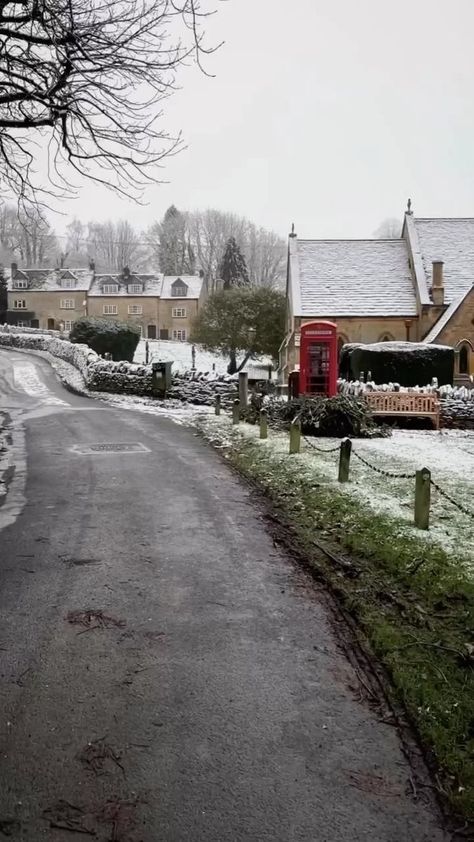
<point>179,289</point>
<point>68,282</point>
<point>20,283</point>
<point>110,289</point>
<point>135,289</point>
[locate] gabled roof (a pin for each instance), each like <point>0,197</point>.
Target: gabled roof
<point>446,317</point>
<point>151,283</point>
<point>452,241</point>
<point>49,280</point>
<point>192,282</point>
<point>351,278</point>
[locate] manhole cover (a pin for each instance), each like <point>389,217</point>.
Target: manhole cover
<point>110,447</point>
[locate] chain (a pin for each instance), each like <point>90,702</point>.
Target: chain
<point>381,470</point>
<point>447,496</point>
<point>321,449</point>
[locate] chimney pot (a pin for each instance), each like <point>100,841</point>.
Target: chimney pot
<point>14,268</point>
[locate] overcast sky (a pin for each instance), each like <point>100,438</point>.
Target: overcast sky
<point>328,113</point>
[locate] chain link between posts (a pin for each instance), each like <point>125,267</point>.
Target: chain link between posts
<point>451,500</point>
<point>321,449</point>
<point>381,470</point>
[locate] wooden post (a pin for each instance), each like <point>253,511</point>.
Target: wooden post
<point>263,424</point>
<point>295,436</point>
<point>422,498</point>
<point>236,411</point>
<point>217,406</point>
<point>243,389</point>
<point>344,460</point>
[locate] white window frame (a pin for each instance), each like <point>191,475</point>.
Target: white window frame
<point>179,312</point>
<point>68,323</point>
<point>135,310</point>
<point>179,292</point>
<point>21,283</point>
<point>67,304</point>
<point>23,323</point>
<point>19,304</point>
<point>135,289</point>
<point>110,289</point>
<point>109,310</point>
<point>179,335</point>
<point>68,283</point>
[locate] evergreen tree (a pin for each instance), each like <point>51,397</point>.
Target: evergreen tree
<point>175,252</point>
<point>3,296</point>
<point>233,269</point>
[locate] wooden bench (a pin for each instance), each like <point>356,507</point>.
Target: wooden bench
<point>404,403</point>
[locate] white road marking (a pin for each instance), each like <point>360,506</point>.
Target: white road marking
<point>26,378</point>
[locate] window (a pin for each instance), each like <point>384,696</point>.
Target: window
<point>23,323</point>
<point>179,289</point>
<point>19,304</point>
<point>179,312</point>
<point>68,325</point>
<point>135,289</point>
<point>135,309</point>
<point>386,337</point>
<point>20,284</point>
<point>109,310</point>
<point>180,335</point>
<point>67,304</point>
<point>68,283</point>
<point>110,289</point>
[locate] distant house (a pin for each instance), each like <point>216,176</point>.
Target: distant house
<point>163,307</point>
<point>417,288</point>
<point>47,298</point>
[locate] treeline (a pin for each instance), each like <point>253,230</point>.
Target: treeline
<point>180,243</point>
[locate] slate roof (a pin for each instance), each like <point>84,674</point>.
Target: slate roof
<point>151,284</point>
<point>193,282</point>
<point>49,280</point>
<point>450,240</point>
<point>353,278</point>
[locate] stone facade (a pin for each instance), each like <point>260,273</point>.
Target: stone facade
<point>416,288</point>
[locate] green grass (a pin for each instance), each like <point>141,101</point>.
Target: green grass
<point>413,601</point>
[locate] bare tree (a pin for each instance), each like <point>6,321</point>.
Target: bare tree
<point>115,245</point>
<point>28,238</point>
<point>389,229</point>
<point>82,79</point>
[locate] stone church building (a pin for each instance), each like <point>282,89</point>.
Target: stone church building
<point>417,288</point>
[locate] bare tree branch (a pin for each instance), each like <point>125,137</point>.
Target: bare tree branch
<point>83,78</point>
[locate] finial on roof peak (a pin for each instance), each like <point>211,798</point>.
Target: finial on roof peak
<point>293,234</point>
<point>409,210</point>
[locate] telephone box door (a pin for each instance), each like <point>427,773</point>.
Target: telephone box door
<point>318,359</point>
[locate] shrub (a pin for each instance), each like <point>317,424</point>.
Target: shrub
<point>406,363</point>
<point>118,339</point>
<point>339,416</point>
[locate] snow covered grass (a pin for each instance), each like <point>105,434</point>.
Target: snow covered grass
<point>411,593</point>
<point>180,353</point>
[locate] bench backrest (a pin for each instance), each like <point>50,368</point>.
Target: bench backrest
<point>401,402</point>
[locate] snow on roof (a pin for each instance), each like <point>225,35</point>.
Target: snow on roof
<point>452,241</point>
<point>151,283</point>
<point>192,282</point>
<point>446,317</point>
<point>353,278</point>
<point>49,280</point>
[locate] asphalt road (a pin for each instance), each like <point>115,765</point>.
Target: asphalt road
<point>209,700</point>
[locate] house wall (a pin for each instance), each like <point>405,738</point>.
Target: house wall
<point>149,305</point>
<point>461,328</point>
<point>46,305</point>
<point>175,323</point>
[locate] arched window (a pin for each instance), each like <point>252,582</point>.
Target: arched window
<point>386,337</point>
<point>464,354</point>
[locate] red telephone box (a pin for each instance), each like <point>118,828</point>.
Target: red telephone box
<point>318,359</point>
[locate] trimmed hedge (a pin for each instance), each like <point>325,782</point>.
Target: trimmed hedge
<point>405,363</point>
<point>118,339</point>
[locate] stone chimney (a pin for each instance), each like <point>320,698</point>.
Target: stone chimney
<point>437,288</point>
<point>14,269</point>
